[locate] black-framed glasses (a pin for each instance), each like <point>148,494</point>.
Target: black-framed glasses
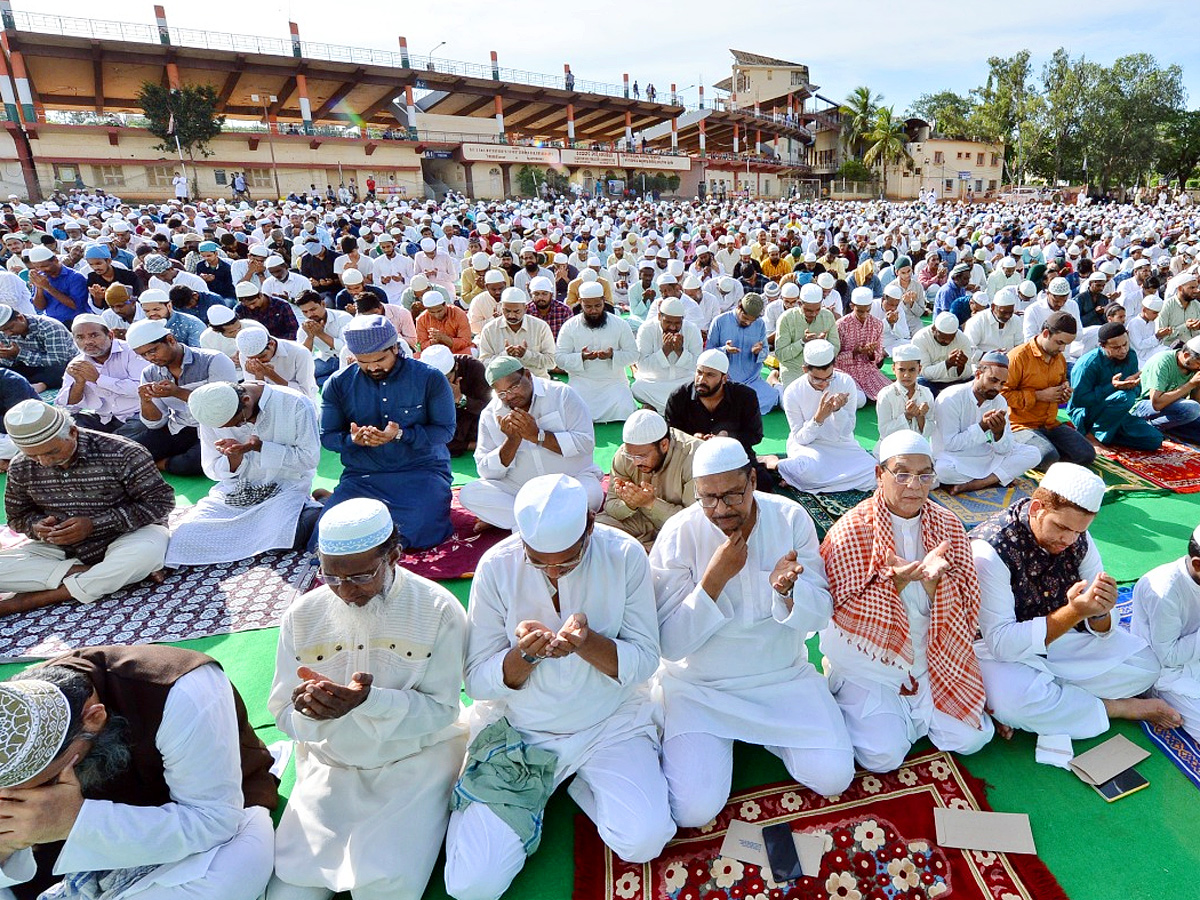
<point>731,499</point>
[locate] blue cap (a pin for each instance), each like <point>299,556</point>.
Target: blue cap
<point>97,251</point>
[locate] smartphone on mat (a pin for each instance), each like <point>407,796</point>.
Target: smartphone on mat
<point>1128,782</point>
<point>781,852</point>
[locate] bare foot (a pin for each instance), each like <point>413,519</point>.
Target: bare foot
<point>1139,709</point>
<point>158,577</point>
<point>481,526</point>
<point>39,387</point>
<point>29,600</point>
<point>3,465</point>
<point>771,462</point>
<point>321,495</point>
<point>955,489</point>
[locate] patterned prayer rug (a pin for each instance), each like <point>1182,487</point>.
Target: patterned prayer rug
<point>879,845</point>
<point>976,506</point>
<point>1174,466</point>
<point>457,556</point>
<point>825,509</point>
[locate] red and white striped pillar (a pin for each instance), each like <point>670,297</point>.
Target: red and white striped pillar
<point>495,66</point>
<point>628,129</point>
<point>571,122</point>
<point>626,77</point>
<point>703,149</point>
<point>500,115</point>
<point>297,51</point>
<point>735,137</point>
<point>164,33</point>
<point>404,58</point>
<point>305,106</point>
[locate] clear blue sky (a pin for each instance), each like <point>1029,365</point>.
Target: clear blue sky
<point>870,42</point>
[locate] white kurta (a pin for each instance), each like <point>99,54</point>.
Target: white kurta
<point>1166,614</point>
<point>294,362</point>
<point>893,334</point>
<point>1143,339</point>
<point>602,383</point>
<point>658,374</point>
<point>497,336</point>
<point>734,665</point>
<point>213,531</point>
<point>398,272</point>
<point>963,451</point>
<point>204,842</point>
<point>389,765</point>
<point>824,458</point>
<point>934,355</point>
<point>985,333</point>
<point>889,409</point>
<point>213,340</point>
<point>1039,311</point>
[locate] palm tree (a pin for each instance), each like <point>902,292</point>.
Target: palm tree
<point>887,140</point>
<point>858,114</point>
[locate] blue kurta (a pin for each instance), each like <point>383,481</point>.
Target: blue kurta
<point>745,367</point>
<point>1097,407</point>
<point>412,473</point>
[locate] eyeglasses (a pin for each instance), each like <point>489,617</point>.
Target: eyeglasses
<point>926,479</point>
<point>505,393</point>
<point>566,565</point>
<point>729,498</point>
<point>365,578</point>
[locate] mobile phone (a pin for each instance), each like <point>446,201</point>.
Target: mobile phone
<point>1128,782</point>
<point>781,852</point>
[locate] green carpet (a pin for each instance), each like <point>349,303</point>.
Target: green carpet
<point>1142,847</point>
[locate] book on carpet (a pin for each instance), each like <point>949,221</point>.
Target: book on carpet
<point>744,842</point>
<point>1106,761</point>
<point>966,829</point>
<point>1128,782</point>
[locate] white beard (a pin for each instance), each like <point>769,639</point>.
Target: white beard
<point>351,619</point>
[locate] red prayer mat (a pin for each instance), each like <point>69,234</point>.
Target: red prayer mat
<point>459,554</point>
<point>1173,466</point>
<point>879,845</point>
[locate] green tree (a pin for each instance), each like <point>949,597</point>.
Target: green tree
<point>858,115</point>
<point>188,114</point>
<point>1001,108</point>
<point>1179,147</point>
<point>530,180</point>
<point>887,142</point>
<point>947,113</point>
<point>1066,86</point>
<point>854,170</point>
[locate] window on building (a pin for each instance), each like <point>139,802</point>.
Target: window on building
<point>65,174</point>
<point>979,159</point>
<point>949,184</point>
<point>220,176</point>
<point>159,176</point>
<point>109,176</point>
<point>995,159</point>
<point>797,78</point>
<point>992,184</point>
<point>938,157</point>
<point>917,171</point>
<point>259,178</point>
<point>978,185</point>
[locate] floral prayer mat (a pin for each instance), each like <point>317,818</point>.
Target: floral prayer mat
<point>977,506</point>
<point>879,845</point>
<point>1173,466</point>
<point>459,554</point>
<point>825,509</point>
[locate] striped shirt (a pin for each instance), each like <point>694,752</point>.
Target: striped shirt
<point>46,343</point>
<point>110,480</point>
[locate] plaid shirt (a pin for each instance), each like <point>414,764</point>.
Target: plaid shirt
<point>46,343</point>
<point>110,480</point>
<point>555,316</point>
<point>277,317</point>
<point>867,607</point>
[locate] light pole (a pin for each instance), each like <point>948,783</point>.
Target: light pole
<point>433,51</point>
<point>264,99</point>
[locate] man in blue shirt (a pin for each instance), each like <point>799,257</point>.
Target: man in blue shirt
<point>157,305</point>
<point>742,336</point>
<point>59,292</point>
<point>1104,387</point>
<point>952,296</point>
<point>391,418</point>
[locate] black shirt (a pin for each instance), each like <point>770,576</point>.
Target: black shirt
<point>737,414</point>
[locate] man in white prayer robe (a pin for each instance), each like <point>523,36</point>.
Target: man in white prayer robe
<point>668,348</point>
<point>906,404</point>
<point>367,678</point>
<point>973,443</point>
<point>277,361</point>
<point>594,349</point>
<point>995,328</point>
<point>516,333</point>
<point>563,641</point>
<point>945,353</point>
<point>1053,658</point>
<point>823,455</point>
<point>740,585</point>
<point>261,445</point>
<point>1166,615</point>
<point>887,309</point>
<point>532,427</point>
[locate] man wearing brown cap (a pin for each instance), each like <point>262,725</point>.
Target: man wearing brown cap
<point>93,505</point>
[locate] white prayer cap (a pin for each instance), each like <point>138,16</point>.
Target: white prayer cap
<point>904,442</point>
<point>1080,486</point>
<point>591,290</point>
<point>243,289</point>
<point>220,315</point>
<point>6,313</point>
<point>946,323</point>
<point>439,356</point>
<point>1098,277</point>
<point>771,291</point>
<point>351,276</point>
<point>717,455</point>
<point>515,295</point>
<point>1006,296</point>
<point>675,267</point>
<point>541,283</point>
<point>1179,281</point>
<point>714,359</point>
<point>1140,262</point>
<point>1060,287</point>
<point>419,283</point>
<point>906,353</point>
<point>273,261</point>
<point>252,341</point>
<point>691,283</point>
<point>826,280</point>
<point>726,285</point>
<point>790,291</point>
<point>495,276</point>
<point>33,422</point>
<point>87,319</point>
<point>1153,303</point>
<point>819,353</point>
<point>645,426</point>
<point>153,296</point>
<point>862,296</point>
<point>1027,289</point>
<point>480,262</point>
<point>34,718</point>
<point>810,293</point>
<point>145,331</point>
<point>588,275</point>
<point>551,512</point>
<point>214,404</point>
<point>894,291</point>
<point>1008,263</point>
<point>980,298</point>
<point>744,250</point>
<point>433,297</point>
<point>671,306</point>
<point>1193,345</point>
<point>40,254</point>
<point>354,526</point>
<point>668,278</point>
<point>428,245</point>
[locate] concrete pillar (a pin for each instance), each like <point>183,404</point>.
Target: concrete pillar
<point>495,67</point>
<point>506,179</point>
<point>571,123</point>
<point>24,92</point>
<point>702,96</point>
<point>628,129</point>
<point>296,49</point>
<point>164,34</point>
<point>305,107</point>
<point>6,15</point>
<point>703,150</point>
<point>735,137</point>
<point>758,141</point>
<point>500,116</point>
<point>626,78</point>
<point>7,93</point>
<point>675,133</point>
<point>404,60</point>
<point>410,109</point>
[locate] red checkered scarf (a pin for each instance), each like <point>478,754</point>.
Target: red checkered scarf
<point>867,607</point>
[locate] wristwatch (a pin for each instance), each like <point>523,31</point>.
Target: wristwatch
<point>541,437</point>
<point>532,660</point>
